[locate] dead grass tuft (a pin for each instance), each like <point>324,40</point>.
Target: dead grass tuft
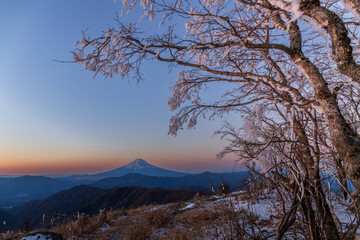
<point>139,231</point>
<point>177,234</point>
<point>198,217</point>
<point>87,225</point>
<point>158,218</point>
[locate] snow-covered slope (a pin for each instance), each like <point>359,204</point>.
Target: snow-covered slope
<point>233,216</point>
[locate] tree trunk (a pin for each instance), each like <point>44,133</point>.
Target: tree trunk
<point>325,213</point>
<point>345,139</point>
<point>310,216</point>
<point>315,189</point>
<point>289,218</point>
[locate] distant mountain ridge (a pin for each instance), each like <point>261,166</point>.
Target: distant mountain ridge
<point>18,190</point>
<point>139,166</point>
<point>202,181</point>
<point>15,191</point>
<point>131,185</point>
<point>90,200</point>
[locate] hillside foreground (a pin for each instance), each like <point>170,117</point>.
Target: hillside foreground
<point>245,214</point>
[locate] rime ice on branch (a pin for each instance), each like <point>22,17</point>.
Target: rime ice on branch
<point>298,59</point>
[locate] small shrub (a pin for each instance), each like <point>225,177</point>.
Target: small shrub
<point>26,226</point>
<point>223,190</point>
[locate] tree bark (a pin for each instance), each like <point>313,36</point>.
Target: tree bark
<point>325,213</point>
<point>288,220</point>
<point>314,186</point>
<point>345,139</point>
<point>310,216</point>
<point>341,43</point>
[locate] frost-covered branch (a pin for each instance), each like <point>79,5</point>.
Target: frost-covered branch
<point>292,67</point>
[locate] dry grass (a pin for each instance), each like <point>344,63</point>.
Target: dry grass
<point>158,218</point>
<point>177,234</point>
<point>147,222</point>
<point>9,235</point>
<point>86,225</point>
<point>139,231</point>
<point>198,217</point>
<point>209,218</point>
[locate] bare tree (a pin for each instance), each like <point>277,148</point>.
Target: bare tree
<point>291,67</point>
<point>289,154</point>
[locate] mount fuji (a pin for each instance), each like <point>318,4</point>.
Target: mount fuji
<point>139,166</point>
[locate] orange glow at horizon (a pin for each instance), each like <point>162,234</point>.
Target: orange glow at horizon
<point>51,163</point>
<point>37,165</point>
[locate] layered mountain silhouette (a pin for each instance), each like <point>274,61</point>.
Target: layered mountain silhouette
<point>202,181</point>
<point>90,200</point>
<point>132,185</point>
<point>139,166</point>
<point>18,190</point>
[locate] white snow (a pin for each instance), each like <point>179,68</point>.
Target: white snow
<point>262,208</point>
<point>121,217</point>
<point>188,206</point>
<point>138,164</point>
<point>36,237</point>
<point>156,208</point>
<point>292,6</point>
<point>104,227</point>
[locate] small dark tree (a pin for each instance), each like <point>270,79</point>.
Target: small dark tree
<point>26,226</point>
<point>223,189</point>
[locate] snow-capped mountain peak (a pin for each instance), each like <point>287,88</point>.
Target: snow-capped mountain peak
<point>139,164</point>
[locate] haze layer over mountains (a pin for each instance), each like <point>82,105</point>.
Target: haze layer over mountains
<point>30,197</point>
<point>138,173</point>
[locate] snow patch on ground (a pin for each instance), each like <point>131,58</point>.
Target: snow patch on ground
<point>121,217</point>
<point>343,212</point>
<point>156,208</point>
<point>262,208</point>
<point>104,227</point>
<point>188,206</point>
<point>37,237</point>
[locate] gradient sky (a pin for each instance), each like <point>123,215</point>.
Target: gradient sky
<point>56,118</point>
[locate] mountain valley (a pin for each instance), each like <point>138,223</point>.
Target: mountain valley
<point>42,200</point>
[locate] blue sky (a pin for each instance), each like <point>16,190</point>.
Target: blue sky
<point>57,118</point>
